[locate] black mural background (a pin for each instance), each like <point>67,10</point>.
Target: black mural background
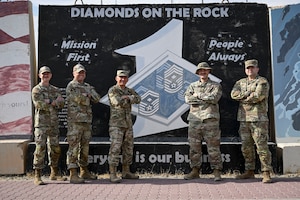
<point>247,21</point>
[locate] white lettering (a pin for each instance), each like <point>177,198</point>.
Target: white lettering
<point>169,12</point>
<point>75,12</point>
<point>228,45</point>
<point>104,12</point>
<point>224,12</point>
<point>110,12</point>
<point>215,12</point>
<point>206,12</point>
<point>103,159</point>
<point>89,13</point>
<point>77,57</point>
<point>147,13</point>
<point>226,57</point>
<point>90,159</point>
<point>72,44</point>
<point>139,158</point>
<point>152,12</point>
<point>156,12</point>
<point>186,12</point>
<point>179,158</point>
<point>165,158</point>
<point>210,12</point>
<point>152,158</point>
<point>177,12</point>
<point>226,157</point>
<point>157,158</point>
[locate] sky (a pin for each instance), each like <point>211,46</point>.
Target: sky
<point>36,3</point>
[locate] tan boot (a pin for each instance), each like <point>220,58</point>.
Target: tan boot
<point>113,175</point>
<point>217,174</point>
<point>37,177</point>
<point>247,174</point>
<point>85,174</point>
<point>193,174</point>
<point>54,175</point>
<point>126,174</point>
<point>74,178</point>
<point>266,177</point>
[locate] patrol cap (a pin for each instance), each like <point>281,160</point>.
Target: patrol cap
<point>202,65</point>
<point>44,69</point>
<point>78,68</point>
<point>122,73</point>
<point>251,63</point>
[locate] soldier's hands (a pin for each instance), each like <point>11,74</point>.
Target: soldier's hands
<point>247,93</point>
<point>131,97</point>
<point>128,98</point>
<point>48,101</point>
<point>124,97</point>
<point>198,95</point>
<point>59,98</point>
<point>86,95</point>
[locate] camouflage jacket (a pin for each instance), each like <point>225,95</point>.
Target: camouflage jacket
<point>46,115</point>
<point>203,99</point>
<point>79,97</point>
<point>253,97</point>
<point>120,109</point>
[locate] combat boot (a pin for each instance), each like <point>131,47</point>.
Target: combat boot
<point>85,174</point>
<point>113,175</point>
<point>247,174</point>
<point>193,174</point>
<point>54,175</point>
<point>217,174</point>
<point>126,174</point>
<point>74,178</point>
<point>37,177</point>
<point>266,177</point>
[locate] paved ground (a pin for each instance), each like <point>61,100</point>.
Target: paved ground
<point>153,188</point>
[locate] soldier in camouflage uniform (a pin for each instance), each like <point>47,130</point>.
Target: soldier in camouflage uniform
<point>252,93</point>
<point>120,126</point>
<point>47,100</point>
<point>203,97</point>
<point>79,98</point>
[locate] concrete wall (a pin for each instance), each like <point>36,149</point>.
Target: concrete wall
<point>290,156</point>
<point>13,156</point>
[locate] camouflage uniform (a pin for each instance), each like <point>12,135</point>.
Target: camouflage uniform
<point>253,118</point>
<point>79,122</point>
<point>120,124</point>
<point>204,122</point>
<point>46,125</point>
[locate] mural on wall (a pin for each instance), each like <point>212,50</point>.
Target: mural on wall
<point>161,81</point>
<point>15,69</point>
<point>161,45</point>
<point>286,72</point>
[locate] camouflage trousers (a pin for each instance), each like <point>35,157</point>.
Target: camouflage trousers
<point>207,131</point>
<point>255,133</point>
<point>46,139</point>
<point>121,140</point>
<point>78,136</point>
